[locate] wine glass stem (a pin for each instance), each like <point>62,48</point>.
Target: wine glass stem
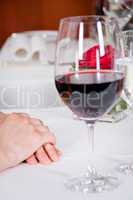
<point>91,136</point>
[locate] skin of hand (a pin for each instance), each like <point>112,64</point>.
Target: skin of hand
<point>21,138</point>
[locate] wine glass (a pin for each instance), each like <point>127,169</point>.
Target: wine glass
<point>122,10</point>
<point>88,81</point>
<point>128,4</point>
<point>126,61</point>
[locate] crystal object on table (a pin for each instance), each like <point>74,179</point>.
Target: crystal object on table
<point>122,10</point>
<point>81,89</point>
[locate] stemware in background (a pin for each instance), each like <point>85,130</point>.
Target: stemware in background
<point>122,10</point>
<point>126,61</point>
<point>88,81</point>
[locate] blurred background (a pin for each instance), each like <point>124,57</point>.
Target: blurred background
<point>29,56</point>
<point>24,15</point>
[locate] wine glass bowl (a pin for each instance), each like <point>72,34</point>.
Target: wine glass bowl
<point>90,94</point>
<point>87,77</point>
<point>128,4</point>
<point>85,74</point>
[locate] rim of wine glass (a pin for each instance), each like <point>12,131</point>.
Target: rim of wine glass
<point>127,6</point>
<point>128,32</point>
<point>77,19</point>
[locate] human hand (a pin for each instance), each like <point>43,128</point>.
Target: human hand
<point>47,153</point>
<point>20,137</point>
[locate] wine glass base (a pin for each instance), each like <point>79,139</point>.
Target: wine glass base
<point>91,182</point>
<point>126,168</point>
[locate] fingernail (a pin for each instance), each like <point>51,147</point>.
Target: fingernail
<point>59,153</point>
<point>55,157</point>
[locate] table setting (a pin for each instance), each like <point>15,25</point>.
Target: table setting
<point>79,84</point>
<point>112,142</point>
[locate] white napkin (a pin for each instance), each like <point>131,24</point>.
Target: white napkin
<point>38,45</point>
<point>16,48</point>
<point>30,46</point>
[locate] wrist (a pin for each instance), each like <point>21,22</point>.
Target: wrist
<point>3,162</point>
<point>2,116</point>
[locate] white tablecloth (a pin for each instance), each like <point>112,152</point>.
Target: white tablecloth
<point>115,141</point>
<point>27,85</point>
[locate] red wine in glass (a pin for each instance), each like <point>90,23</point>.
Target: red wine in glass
<point>90,94</point>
